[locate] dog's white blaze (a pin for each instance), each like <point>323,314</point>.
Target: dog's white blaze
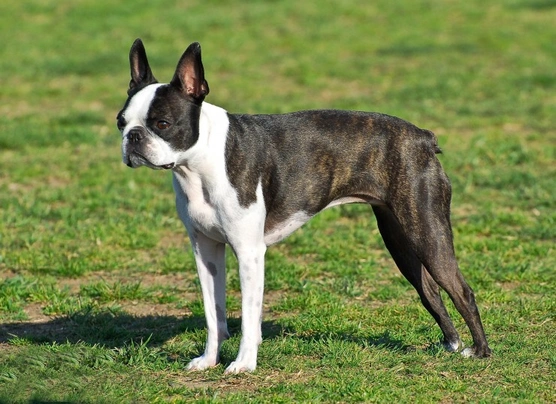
<point>287,227</point>
<point>138,108</point>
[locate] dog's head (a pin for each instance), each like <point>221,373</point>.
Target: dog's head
<point>160,121</point>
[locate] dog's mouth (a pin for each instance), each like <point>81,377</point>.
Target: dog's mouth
<point>137,159</point>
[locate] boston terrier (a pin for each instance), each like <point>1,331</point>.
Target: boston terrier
<point>251,180</point>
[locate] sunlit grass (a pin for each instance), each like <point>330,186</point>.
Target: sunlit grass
<point>99,300</point>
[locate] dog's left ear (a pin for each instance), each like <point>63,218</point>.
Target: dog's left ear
<point>141,74</point>
<point>190,74</point>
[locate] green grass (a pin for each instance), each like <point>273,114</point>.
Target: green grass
<point>99,300</point>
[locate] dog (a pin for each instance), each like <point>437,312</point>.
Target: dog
<point>251,180</point>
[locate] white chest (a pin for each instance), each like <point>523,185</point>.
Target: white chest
<point>198,208</point>
<point>200,177</point>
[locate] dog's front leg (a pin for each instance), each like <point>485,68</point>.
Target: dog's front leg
<point>211,266</point>
<point>251,272</point>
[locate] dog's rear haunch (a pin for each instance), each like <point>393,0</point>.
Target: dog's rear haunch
<point>251,180</point>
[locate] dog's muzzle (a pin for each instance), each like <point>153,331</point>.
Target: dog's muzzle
<point>134,152</point>
<point>136,159</point>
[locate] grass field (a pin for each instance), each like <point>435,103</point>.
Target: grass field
<point>99,300</point>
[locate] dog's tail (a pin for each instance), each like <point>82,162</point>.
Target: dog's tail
<point>437,149</point>
<point>432,139</point>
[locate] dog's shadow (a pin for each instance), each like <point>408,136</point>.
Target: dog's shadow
<point>118,330</point>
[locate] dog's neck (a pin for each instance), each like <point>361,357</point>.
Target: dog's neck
<point>213,126</point>
<point>205,158</point>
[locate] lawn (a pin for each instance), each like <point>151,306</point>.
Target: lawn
<point>99,300</point>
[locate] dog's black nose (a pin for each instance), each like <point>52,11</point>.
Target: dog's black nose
<point>135,135</point>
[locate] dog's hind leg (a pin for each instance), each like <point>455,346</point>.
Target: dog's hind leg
<point>444,269</point>
<point>425,220</point>
<point>411,267</point>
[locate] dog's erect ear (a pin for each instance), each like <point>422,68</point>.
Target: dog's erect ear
<point>141,74</point>
<point>190,75</point>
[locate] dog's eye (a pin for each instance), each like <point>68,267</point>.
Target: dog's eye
<point>162,125</point>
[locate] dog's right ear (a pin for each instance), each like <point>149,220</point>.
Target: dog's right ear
<point>141,74</point>
<point>189,77</point>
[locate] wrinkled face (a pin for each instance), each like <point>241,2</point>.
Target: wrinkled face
<point>158,123</point>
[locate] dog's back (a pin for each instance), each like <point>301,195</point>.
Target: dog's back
<point>308,160</point>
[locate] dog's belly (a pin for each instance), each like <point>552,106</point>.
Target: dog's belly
<point>348,199</point>
<point>283,229</point>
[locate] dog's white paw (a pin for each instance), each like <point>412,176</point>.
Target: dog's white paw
<point>453,346</point>
<point>468,352</point>
<point>201,363</point>
<point>240,367</point>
